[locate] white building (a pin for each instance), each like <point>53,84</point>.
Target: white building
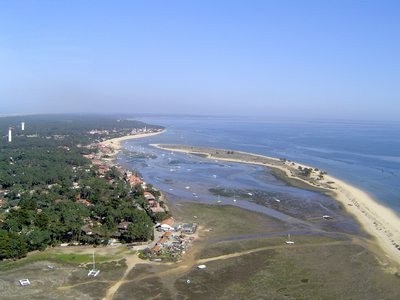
<point>9,135</point>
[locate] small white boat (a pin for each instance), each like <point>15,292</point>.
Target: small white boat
<point>93,272</point>
<point>289,241</point>
<point>24,282</point>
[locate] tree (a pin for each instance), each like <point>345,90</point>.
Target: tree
<point>39,172</point>
<point>113,173</point>
<point>140,230</point>
<point>12,245</point>
<point>38,239</point>
<point>159,216</point>
<point>307,172</point>
<point>41,220</point>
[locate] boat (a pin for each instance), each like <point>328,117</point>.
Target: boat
<point>289,242</point>
<point>93,272</point>
<point>24,282</point>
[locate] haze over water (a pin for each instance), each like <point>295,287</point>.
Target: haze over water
<point>364,154</point>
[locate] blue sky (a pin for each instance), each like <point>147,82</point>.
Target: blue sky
<point>317,59</point>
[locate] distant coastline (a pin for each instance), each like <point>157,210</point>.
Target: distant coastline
<point>115,143</point>
<point>379,221</point>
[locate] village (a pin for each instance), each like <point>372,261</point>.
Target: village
<point>127,211</point>
<point>170,239</point>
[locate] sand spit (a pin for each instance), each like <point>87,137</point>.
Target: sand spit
<point>115,144</point>
<point>379,221</point>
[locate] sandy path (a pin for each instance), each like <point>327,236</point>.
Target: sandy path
<point>131,262</point>
<point>236,254</point>
<point>130,259</point>
<point>169,276</point>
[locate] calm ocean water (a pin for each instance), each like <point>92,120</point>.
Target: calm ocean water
<point>365,154</point>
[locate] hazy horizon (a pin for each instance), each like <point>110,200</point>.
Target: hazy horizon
<point>307,59</point>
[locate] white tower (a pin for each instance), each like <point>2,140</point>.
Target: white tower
<point>9,135</point>
<point>22,126</point>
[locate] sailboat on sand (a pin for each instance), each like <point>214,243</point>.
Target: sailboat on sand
<point>93,272</point>
<point>289,241</point>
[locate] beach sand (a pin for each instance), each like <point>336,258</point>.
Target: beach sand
<point>379,221</point>
<point>115,143</point>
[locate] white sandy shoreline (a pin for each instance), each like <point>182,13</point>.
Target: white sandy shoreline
<point>115,143</point>
<point>379,221</point>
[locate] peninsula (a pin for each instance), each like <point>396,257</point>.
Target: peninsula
<point>377,220</point>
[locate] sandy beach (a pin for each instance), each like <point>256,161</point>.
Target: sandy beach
<point>379,221</point>
<point>115,143</point>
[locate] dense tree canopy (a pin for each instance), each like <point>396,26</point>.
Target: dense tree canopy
<point>49,192</point>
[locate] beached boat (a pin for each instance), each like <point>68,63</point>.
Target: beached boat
<point>289,241</point>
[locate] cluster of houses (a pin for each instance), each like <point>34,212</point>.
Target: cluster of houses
<point>133,179</point>
<point>101,135</point>
<point>172,240</point>
<point>152,203</point>
<point>102,166</point>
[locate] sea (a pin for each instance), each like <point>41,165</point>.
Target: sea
<point>364,154</point>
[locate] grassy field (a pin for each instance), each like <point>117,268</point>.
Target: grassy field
<point>63,281</point>
<point>221,221</point>
<point>231,247</point>
<point>241,264</point>
<point>144,283</point>
<point>319,272</point>
<point>56,274</point>
<point>57,257</point>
